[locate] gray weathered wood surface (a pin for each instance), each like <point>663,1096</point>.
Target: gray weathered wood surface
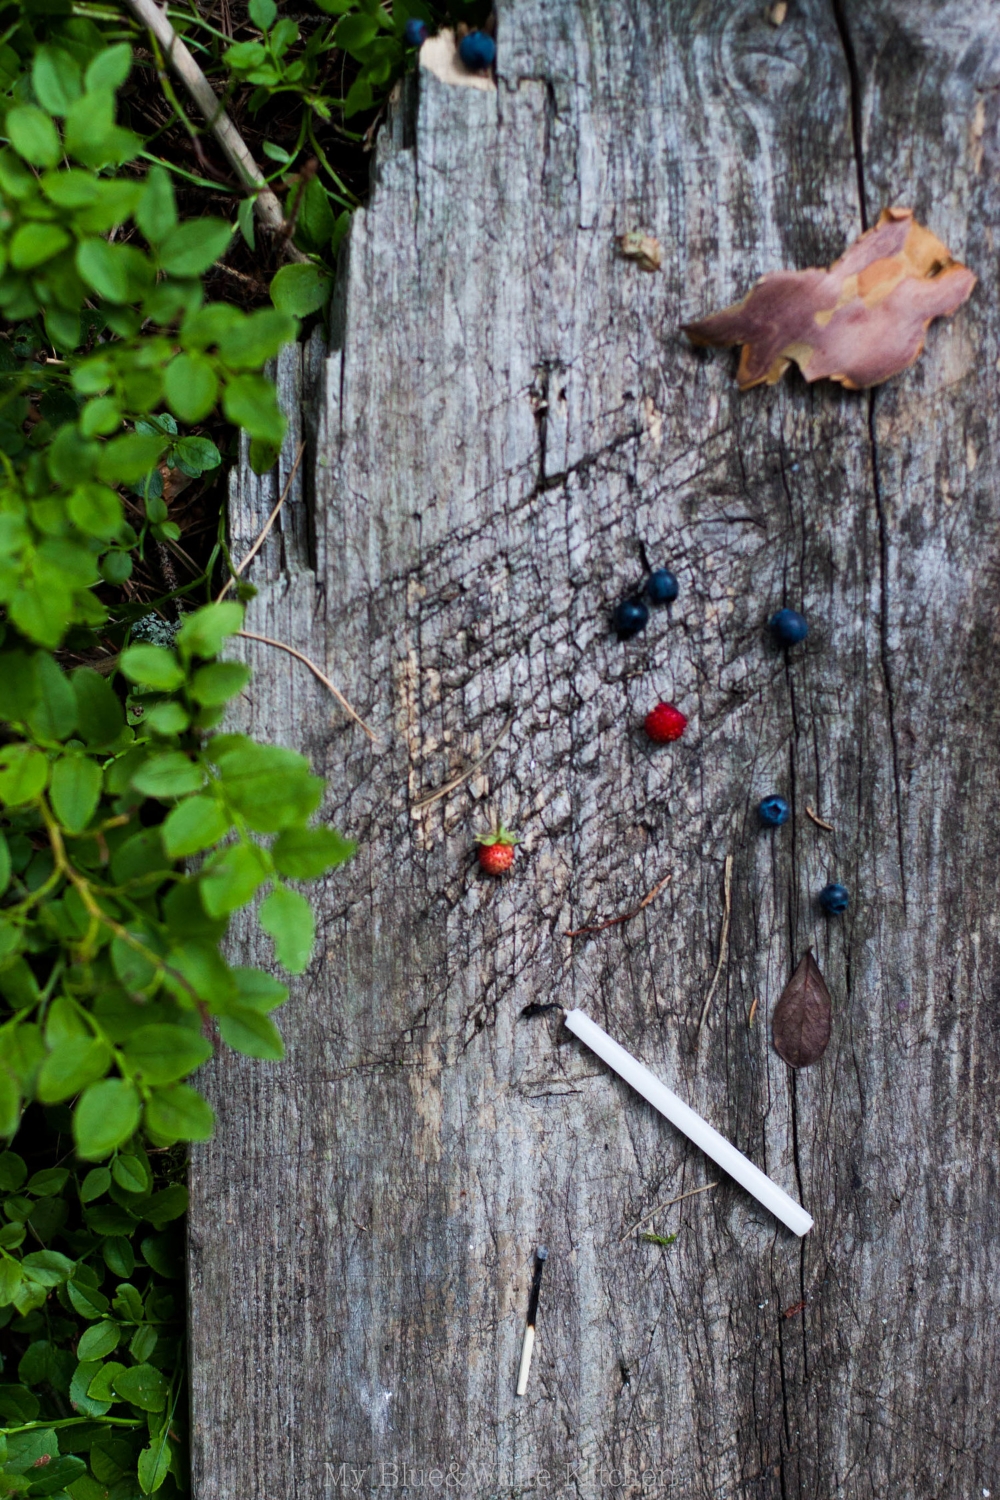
<point>509,413</point>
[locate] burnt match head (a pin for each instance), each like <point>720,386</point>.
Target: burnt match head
<point>542,1252</point>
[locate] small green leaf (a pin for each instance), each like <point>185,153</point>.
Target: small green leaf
<point>95,1184</point>
<point>33,244</point>
<point>70,1066</point>
<point>104,268</point>
<point>99,713</point>
<point>244,219</point>
<point>137,973</point>
<point>98,1340</point>
<point>301,289</point>
<point>194,455</point>
<point>192,247</point>
<point>126,459</point>
<point>251,1033</point>
<point>81,1402</point>
<point>12,1171</point>
<point>193,825</point>
<point>32,134</point>
<point>250,401</point>
<point>101,1387</point>
<point>354,33</point>
<point>263,13</point>
<point>96,510</point>
<point>131,1172</point>
<point>154,1461</point>
<point>307,853</point>
<point>288,919</point>
<point>75,791</point>
<point>164,1054</point>
<point>143,1343</point>
<point>47,1182</point>
<point>156,214</point>
<point>163,1207</point>
<point>105,1117</point>
<point>231,878</point>
<point>204,632</point>
<point>219,682</point>
<point>191,386</point>
<point>87,1300</point>
<point>24,772</point>
<point>250,343</point>
<point>171,774</point>
<point>152,667</point>
<point>179,1113</point>
<point>5,867</point>
<point>55,78</point>
<point>142,1386</point>
<point>109,69</point>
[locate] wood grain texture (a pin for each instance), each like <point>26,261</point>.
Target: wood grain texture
<point>508,417</point>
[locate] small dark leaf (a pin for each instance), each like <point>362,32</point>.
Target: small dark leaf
<point>801,1024</point>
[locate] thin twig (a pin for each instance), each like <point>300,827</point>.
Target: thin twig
<point>669,1203</point>
<point>753,1012</point>
<point>266,640</point>
<point>727,880</point>
<point>236,151</point>
<point>267,527</point>
<point>456,781</point>
<point>626,916</point>
<point>828,827</point>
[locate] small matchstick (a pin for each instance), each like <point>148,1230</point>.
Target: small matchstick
<point>527,1347</point>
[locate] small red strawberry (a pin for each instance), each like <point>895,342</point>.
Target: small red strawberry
<point>496,850</point>
<point>665,724</point>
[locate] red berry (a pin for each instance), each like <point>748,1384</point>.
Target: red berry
<point>665,724</point>
<point>496,859</point>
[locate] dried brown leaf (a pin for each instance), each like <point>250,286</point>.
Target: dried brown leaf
<point>801,1023</point>
<point>642,248</point>
<point>859,322</point>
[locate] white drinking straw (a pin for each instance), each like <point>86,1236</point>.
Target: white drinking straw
<point>694,1127</point>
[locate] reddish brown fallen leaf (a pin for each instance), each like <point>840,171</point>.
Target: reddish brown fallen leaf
<point>860,322</point>
<point>801,1023</point>
<point>796,1307</point>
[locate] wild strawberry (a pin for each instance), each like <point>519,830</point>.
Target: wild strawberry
<point>665,723</point>
<point>496,850</point>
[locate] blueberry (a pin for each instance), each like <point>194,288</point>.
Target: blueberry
<point>834,899</point>
<point>630,616</point>
<point>773,811</point>
<point>788,627</point>
<point>415,32</point>
<point>477,51</point>
<point>662,587</point>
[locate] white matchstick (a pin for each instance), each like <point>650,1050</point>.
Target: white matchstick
<point>528,1344</point>
<point>694,1127</point>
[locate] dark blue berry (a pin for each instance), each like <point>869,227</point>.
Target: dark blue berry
<point>773,811</point>
<point>834,899</point>
<point>662,587</point>
<point>788,627</point>
<point>477,51</point>
<point>630,616</point>
<point>415,32</point>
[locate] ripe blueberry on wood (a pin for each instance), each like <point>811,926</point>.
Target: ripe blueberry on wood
<point>477,51</point>
<point>662,587</point>
<point>788,627</point>
<point>665,724</point>
<point>630,616</point>
<point>415,32</point>
<point>834,899</point>
<point>773,811</point>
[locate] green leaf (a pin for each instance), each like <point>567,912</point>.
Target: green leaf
<point>143,1343</point>
<point>109,69</point>
<point>244,219</point>
<point>194,824</point>
<point>154,1461</point>
<point>5,866</point>
<point>315,224</point>
<point>70,1066</point>
<point>142,1386</point>
<point>24,772</point>
<point>192,247</point>
<point>194,455</point>
<point>98,1340</point>
<point>251,402</point>
<point>179,1113</point>
<point>11,1277</point>
<point>99,714</point>
<point>163,1207</point>
<point>152,667</point>
<point>163,1054</point>
<point>101,1386</point>
<point>231,878</point>
<point>106,1116</point>
<point>248,344</point>
<point>306,853</point>
<point>96,510</point>
<point>33,244</point>
<point>204,632</point>
<point>136,972</point>
<point>219,682</point>
<point>12,1171</point>
<point>19,684</point>
<point>88,1301</point>
<point>118,1255</point>
<point>251,1033</point>
<point>171,774</point>
<point>301,289</point>
<point>104,268</point>
<point>18,1404</point>
<point>126,459</point>
<point>354,33</point>
<point>95,1184</point>
<point>287,917</point>
<point>156,214</point>
<point>54,716</point>
<point>79,1400</point>
<point>190,386</point>
<point>131,1173</point>
<point>263,13</point>
<point>75,791</point>
<point>269,785</point>
<point>359,96</point>
<point>32,134</point>
<point>47,1182</point>
<point>55,78</point>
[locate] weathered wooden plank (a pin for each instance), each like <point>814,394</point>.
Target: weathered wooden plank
<point>509,416</point>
